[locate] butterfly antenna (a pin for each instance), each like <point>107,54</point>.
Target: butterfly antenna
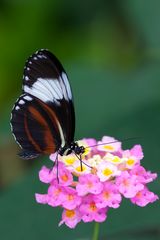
<point>121,140</point>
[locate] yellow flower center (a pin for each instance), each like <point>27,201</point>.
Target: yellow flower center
<point>90,184</point>
<point>116,159</point>
<point>70,197</point>
<point>69,160</point>
<point>106,195</point>
<point>130,162</point>
<point>86,151</point>
<point>107,172</point>
<point>80,169</point>
<point>57,192</point>
<point>108,147</point>
<point>139,194</point>
<point>64,178</point>
<point>126,182</point>
<point>93,207</point>
<point>70,213</point>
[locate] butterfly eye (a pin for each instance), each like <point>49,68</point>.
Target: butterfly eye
<point>73,146</point>
<point>82,149</point>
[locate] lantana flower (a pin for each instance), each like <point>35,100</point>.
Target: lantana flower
<point>86,191</point>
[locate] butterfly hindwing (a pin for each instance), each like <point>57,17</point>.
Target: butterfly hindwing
<point>28,154</point>
<point>34,127</point>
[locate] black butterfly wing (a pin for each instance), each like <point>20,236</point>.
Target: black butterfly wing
<point>34,127</point>
<point>46,121</point>
<point>46,79</point>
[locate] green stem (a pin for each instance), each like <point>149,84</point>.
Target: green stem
<point>95,231</point>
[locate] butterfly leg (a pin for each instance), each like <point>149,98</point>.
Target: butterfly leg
<point>56,165</point>
<point>81,161</point>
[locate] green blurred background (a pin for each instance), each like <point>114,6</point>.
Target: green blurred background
<point>111,52</point>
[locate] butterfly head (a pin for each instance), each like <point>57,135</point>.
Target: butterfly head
<point>73,148</point>
<point>76,148</point>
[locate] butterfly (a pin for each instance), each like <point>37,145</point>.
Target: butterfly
<point>43,117</point>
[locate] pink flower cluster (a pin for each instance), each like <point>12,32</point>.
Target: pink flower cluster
<point>108,174</point>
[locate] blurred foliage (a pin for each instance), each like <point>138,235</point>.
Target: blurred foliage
<point>111,52</point>
<point>102,36</point>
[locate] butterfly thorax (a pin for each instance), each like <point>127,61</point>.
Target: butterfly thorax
<point>72,148</point>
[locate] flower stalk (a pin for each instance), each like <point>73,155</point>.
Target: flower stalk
<point>96,231</point>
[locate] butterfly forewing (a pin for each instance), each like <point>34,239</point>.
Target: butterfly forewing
<point>43,117</point>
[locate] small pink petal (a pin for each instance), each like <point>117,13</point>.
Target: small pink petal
<point>41,198</point>
<point>53,156</point>
<point>70,218</point>
<point>137,152</point>
<point>89,183</point>
<point>144,197</point>
<point>45,175</point>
